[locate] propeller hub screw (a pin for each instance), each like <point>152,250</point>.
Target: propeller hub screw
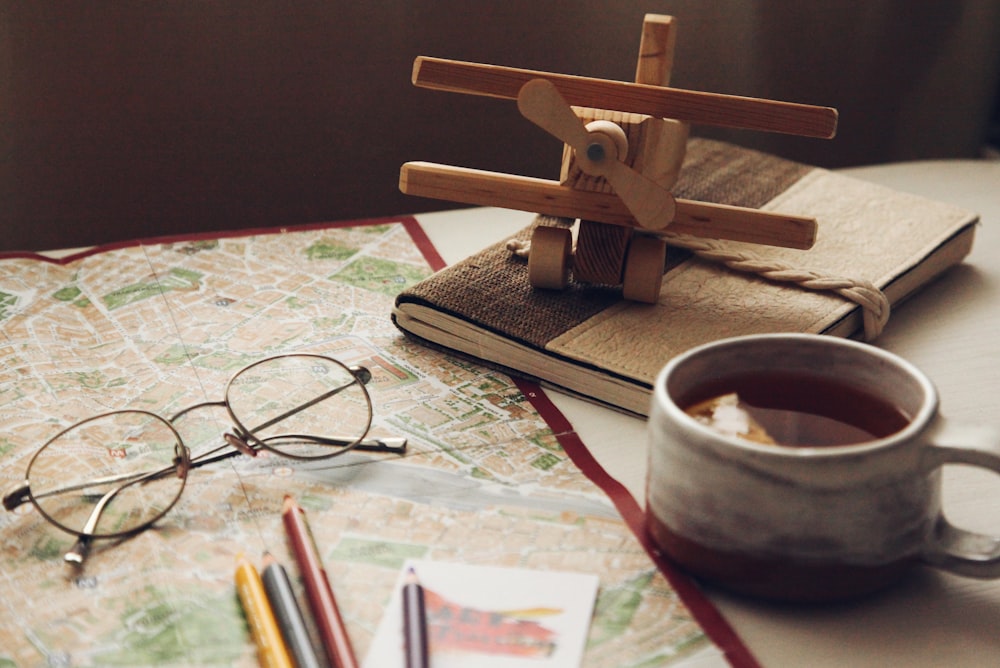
<point>595,152</point>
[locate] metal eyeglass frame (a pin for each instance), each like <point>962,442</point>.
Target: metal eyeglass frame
<point>241,440</point>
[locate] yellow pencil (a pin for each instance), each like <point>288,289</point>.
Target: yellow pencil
<point>271,650</point>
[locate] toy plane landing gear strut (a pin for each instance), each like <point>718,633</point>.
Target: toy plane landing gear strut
<point>624,145</point>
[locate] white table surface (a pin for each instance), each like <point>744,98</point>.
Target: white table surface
<point>952,331</point>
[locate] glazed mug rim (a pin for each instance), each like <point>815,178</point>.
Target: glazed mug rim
<point>917,423</point>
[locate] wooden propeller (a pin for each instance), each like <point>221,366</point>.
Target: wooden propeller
<point>597,153</point>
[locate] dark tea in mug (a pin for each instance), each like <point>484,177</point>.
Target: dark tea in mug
<point>793,409</point>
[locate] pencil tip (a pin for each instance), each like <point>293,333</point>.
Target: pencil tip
<point>288,503</point>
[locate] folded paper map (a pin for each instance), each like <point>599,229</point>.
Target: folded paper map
<point>161,325</point>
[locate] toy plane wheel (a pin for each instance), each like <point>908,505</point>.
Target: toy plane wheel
<point>644,269</point>
<point>549,258</point>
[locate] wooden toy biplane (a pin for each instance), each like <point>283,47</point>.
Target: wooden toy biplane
<point>624,145</point>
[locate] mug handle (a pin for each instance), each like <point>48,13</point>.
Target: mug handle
<point>949,547</point>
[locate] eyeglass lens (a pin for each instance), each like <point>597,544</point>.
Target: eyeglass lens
<point>116,472</point>
<point>301,406</point>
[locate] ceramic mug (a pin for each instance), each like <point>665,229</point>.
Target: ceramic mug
<point>810,523</point>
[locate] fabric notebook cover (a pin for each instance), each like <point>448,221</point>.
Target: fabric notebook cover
<point>868,232</point>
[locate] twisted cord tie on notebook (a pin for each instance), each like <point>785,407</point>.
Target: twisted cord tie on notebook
<point>873,302</point>
<point>519,248</point>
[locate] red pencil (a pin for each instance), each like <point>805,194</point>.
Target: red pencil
<point>318,591</point>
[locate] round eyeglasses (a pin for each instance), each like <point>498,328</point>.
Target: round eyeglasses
<point>115,474</point>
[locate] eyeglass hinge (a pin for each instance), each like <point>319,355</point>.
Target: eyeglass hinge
<point>16,496</point>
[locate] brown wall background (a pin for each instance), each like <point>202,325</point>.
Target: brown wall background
<point>129,119</point>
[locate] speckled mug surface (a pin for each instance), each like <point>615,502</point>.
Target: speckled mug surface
<point>809,523</point>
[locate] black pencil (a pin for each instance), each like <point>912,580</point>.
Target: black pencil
<point>414,622</point>
<point>287,613</point>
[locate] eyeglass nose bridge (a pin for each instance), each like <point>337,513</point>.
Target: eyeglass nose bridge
<point>240,443</point>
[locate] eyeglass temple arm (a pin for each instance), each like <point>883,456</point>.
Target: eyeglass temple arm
<point>394,444</point>
<point>81,548</point>
<point>78,553</point>
<point>360,373</point>
<point>19,495</point>
<point>312,402</point>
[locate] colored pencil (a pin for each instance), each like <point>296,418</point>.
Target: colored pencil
<point>336,642</point>
<point>271,650</point>
<point>287,613</point>
<point>414,623</point>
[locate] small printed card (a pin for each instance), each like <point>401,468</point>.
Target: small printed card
<point>492,617</point>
